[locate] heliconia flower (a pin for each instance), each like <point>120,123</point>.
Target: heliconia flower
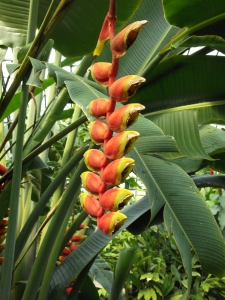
<point>91,205</point>
<point>61,258</point>
<point>74,247</point>
<point>211,172</point>
<point>115,199</point>
<point>111,222</point>
<point>98,132</point>
<point>68,290</point>
<point>125,87</point>
<point>98,108</point>
<point>4,223</point>
<point>2,230</point>
<point>103,37</point>
<point>66,251</point>
<point>100,72</point>
<point>124,117</point>
<point>1,260</point>
<point>82,226</point>
<point>125,38</point>
<point>78,238</point>
<point>3,170</point>
<point>93,183</point>
<point>2,238</point>
<point>120,144</point>
<point>117,171</point>
<point>69,244</point>
<point>95,160</point>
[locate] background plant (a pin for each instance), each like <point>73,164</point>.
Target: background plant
<point>182,94</point>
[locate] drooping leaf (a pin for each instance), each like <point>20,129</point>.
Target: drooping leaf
<point>205,180</point>
<point>213,139</point>
<point>191,13</point>
<point>167,183</point>
<point>182,125</point>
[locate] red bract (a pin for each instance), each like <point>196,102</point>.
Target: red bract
<point>93,183</point>
<point>91,205</point>
<point>125,87</point>
<point>99,107</point>
<point>125,38</point>
<point>3,170</point>
<point>100,72</point>
<point>95,160</point>
<point>98,131</point>
<point>117,171</point>
<point>78,238</point>
<point>111,222</point>
<point>115,199</point>
<point>120,144</point>
<point>103,37</point>
<point>124,117</point>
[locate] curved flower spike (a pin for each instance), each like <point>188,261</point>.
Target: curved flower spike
<point>93,183</point>
<point>111,222</point>
<point>124,117</point>
<point>120,144</point>
<point>103,37</point>
<point>117,171</point>
<point>95,160</point>
<point>91,205</point>
<point>115,199</point>
<point>100,72</point>
<point>125,38</point>
<point>98,108</point>
<point>125,87</point>
<point>98,132</point>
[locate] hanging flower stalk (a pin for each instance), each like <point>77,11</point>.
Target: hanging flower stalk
<point>108,166</point>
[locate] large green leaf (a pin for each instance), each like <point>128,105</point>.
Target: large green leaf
<point>187,13</point>
<point>184,127</point>
<point>167,183</point>
<point>78,33</point>
<point>156,34</point>
<point>179,81</point>
<point>213,139</point>
<point>13,22</point>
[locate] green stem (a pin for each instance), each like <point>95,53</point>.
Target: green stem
<point>44,200</point>
<point>32,20</point>
<point>7,266</point>
<point>48,242</point>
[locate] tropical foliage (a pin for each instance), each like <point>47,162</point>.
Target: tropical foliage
<point>43,150</point>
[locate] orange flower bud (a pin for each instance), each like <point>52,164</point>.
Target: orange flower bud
<point>83,226</point>
<point>4,223</point>
<point>100,72</point>
<point>61,258</point>
<point>66,251</point>
<point>1,260</point>
<point>125,87</point>
<point>124,117</point>
<point>103,37</point>
<point>95,160</point>
<point>69,290</point>
<point>2,230</point>
<point>93,183</point>
<point>69,244</point>
<point>74,247</point>
<point>78,238</point>
<point>111,222</point>
<point>117,171</point>
<point>120,144</point>
<point>91,205</point>
<point>98,131</point>
<point>3,170</point>
<point>99,107</point>
<point>125,38</point>
<point>115,199</point>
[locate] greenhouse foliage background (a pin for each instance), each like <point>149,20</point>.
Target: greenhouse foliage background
<point>172,244</point>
